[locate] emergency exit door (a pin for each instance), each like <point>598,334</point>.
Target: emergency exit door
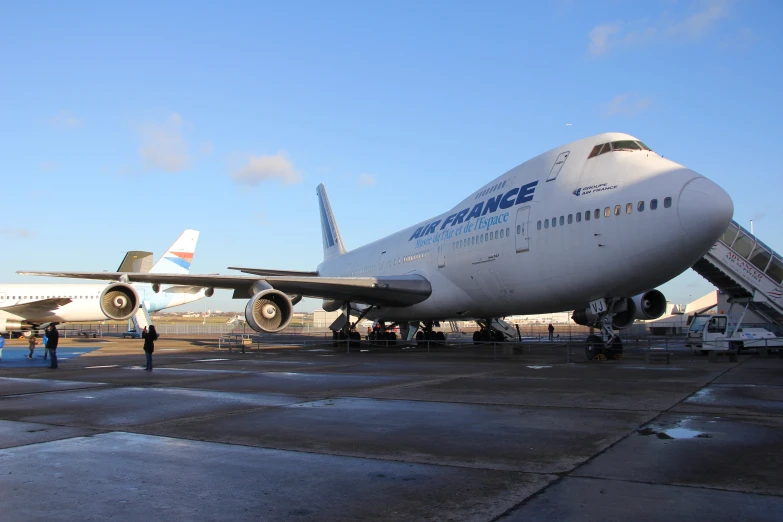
<point>522,235</point>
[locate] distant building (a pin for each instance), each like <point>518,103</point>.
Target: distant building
<point>322,318</point>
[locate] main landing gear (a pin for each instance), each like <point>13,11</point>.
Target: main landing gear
<point>486,334</point>
<point>343,330</point>
<point>426,333</point>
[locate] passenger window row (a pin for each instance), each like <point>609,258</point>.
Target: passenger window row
<point>52,297</point>
<point>493,188</point>
<point>480,238</point>
<point>392,262</point>
<point>596,214</point>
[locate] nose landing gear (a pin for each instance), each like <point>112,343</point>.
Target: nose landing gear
<point>608,345</point>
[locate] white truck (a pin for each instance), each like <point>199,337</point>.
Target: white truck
<point>716,333</point>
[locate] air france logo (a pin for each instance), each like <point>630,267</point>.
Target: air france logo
<point>511,198</point>
<point>583,191</point>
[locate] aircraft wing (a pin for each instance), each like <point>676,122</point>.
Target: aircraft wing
<point>37,308</point>
<point>404,290</point>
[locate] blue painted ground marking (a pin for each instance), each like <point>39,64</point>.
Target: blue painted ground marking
<point>16,356</point>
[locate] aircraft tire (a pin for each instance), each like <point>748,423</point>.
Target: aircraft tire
<point>477,336</point>
<point>593,347</point>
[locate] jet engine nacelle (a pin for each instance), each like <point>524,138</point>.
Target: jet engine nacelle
<point>624,316</point>
<point>650,305</point>
<point>7,326</point>
<point>269,311</point>
<point>119,301</point>
<point>332,305</point>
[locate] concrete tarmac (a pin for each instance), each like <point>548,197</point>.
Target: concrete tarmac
<point>455,434</point>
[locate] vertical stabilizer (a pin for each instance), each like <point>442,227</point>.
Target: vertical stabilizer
<point>333,243</point>
<point>179,256</point>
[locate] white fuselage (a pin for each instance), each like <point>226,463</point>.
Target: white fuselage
<point>509,258</point>
<point>85,304</point>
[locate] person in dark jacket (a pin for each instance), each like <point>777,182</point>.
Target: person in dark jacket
<point>52,338</point>
<point>149,345</point>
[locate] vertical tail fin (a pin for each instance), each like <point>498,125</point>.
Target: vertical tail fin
<point>178,257</point>
<point>333,243</point>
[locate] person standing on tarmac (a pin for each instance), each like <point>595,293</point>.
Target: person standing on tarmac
<point>52,338</point>
<point>149,345</point>
<point>31,344</point>
<point>551,331</point>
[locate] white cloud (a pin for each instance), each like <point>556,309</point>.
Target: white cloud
<point>16,232</point>
<point>366,180</point>
<point>258,169</point>
<point>65,120</point>
<point>627,104</point>
<point>606,37</point>
<point>600,35</point>
<point>162,145</point>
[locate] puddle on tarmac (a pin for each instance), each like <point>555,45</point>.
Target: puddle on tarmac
<point>678,432</point>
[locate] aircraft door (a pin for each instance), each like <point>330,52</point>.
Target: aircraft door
<point>522,232</point>
<point>441,257</point>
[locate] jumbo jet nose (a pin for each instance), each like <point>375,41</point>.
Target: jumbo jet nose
<point>705,210</point>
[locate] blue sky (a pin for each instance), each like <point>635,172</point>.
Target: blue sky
<point>122,125</point>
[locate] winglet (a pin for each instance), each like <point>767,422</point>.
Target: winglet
<point>179,256</point>
<point>333,243</point>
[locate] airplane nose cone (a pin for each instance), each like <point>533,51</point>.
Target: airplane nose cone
<point>705,210</point>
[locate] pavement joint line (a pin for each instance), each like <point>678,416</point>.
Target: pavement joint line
<point>335,454</point>
<point>676,485</point>
<point>57,439</point>
<point>105,386</point>
<point>392,387</point>
<point>499,404</point>
<point>610,446</point>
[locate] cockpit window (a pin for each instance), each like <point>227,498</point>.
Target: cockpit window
<point>623,145</point>
<point>626,145</point>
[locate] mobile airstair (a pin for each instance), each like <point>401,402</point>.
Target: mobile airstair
<point>142,318</point>
<point>747,271</point>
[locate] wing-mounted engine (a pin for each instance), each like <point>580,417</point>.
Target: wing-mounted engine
<point>7,326</point>
<point>269,311</point>
<point>650,305</point>
<point>119,301</point>
<point>623,315</point>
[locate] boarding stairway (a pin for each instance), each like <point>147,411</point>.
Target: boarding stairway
<point>142,318</point>
<point>747,271</point>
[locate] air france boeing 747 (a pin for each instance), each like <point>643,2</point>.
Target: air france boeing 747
<point>590,226</point>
